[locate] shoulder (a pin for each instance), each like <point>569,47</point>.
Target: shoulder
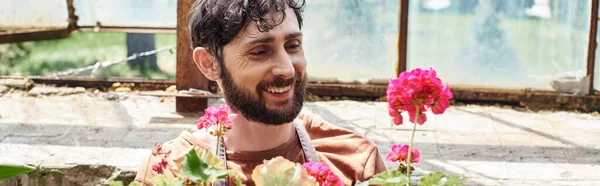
<point>324,134</point>
<point>181,145</point>
<point>354,156</point>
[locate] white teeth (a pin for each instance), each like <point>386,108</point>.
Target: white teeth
<point>278,89</point>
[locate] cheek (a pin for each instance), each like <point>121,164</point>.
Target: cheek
<point>250,77</point>
<point>300,65</point>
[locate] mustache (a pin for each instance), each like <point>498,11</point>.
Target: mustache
<point>280,82</point>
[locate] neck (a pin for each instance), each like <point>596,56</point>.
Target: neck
<point>252,136</point>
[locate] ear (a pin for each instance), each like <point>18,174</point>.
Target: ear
<point>207,63</point>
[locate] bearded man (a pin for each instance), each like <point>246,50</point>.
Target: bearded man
<point>253,50</point>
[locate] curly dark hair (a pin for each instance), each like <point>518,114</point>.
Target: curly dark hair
<point>214,23</point>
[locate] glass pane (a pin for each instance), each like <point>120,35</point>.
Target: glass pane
<point>25,14</point>
<point>351,39</point>
<point>497,43</point>
<point>131,13</point>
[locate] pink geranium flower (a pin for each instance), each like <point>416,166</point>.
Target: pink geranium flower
<point>399,154</point>
<point>158,151</point>
<point>414,89</point>
<point>322,173</point>
<point>221,118</point>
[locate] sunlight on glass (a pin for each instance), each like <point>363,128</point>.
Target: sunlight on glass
<point>351,38</point>
<point>502,44</point>
<point>38,14</point>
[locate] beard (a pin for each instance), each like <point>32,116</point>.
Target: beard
<point>253,106</point>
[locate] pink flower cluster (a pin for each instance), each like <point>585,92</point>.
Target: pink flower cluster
<point>399,154</point>
<point>160,166</point>
<point>213,116</point>
<point>322,173</point>
<point>414,89</point>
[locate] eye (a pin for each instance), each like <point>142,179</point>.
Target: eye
<point>259,51</point>
<point>293,45</point>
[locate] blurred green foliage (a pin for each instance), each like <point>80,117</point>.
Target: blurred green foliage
<point>81,49</point>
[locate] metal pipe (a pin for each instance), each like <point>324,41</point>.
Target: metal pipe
<point>402,37</point>
<point>591,55</point>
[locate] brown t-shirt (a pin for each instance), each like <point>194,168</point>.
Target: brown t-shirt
<point>350,156</point>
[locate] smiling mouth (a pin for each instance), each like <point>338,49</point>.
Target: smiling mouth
<point>278,90</point>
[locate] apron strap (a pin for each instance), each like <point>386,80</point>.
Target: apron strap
<point>310,153</point>
<point>223,156</point>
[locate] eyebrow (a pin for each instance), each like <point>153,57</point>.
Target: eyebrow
<point>269,39</point>
<point>293,35</point>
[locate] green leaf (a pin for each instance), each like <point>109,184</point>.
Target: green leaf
<point>389,174</point>
<point>387,178</point>
<point>431,179</point>
<point>434,178</point>
<point>238,181</point>
<point>215,174</point>
<point>454,180</point>
<point>398,181</point>
<point>134,184</point>
<point>115,183</point>
<point>162,180</point>
<point>193,168</point>
<point>199,169</point>
<point>8,172</point>
<point>360,183</point>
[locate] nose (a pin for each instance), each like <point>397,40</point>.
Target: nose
<point>285,66</point>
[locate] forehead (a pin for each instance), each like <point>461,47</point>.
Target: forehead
<point>251,32</point>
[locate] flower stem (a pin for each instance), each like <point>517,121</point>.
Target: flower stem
<point>147,166</point>
<point>218,144</point>
<point>418,113</point>
<point>219,128</point>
